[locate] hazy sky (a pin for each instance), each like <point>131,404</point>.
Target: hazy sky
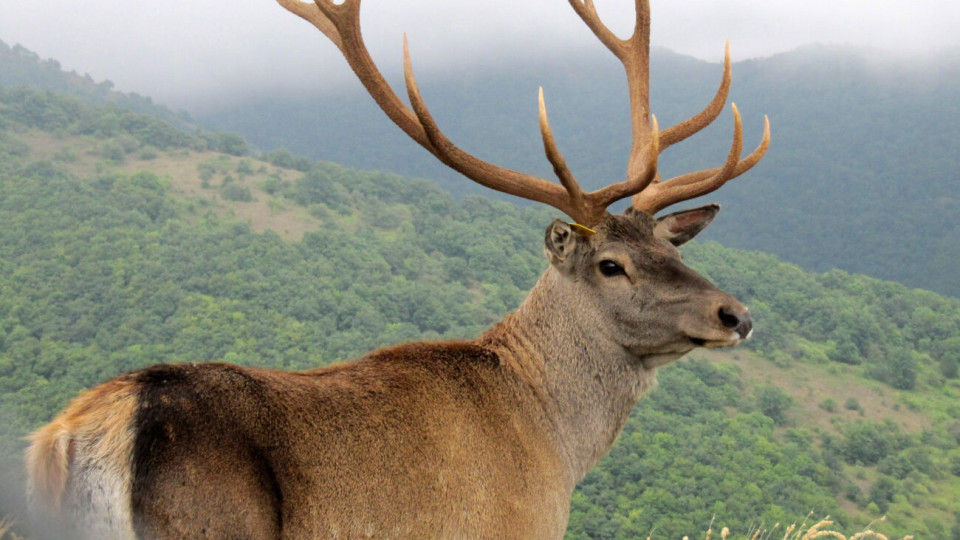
<point>180,48</point>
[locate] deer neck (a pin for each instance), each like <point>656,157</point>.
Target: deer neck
<point>585,383</point>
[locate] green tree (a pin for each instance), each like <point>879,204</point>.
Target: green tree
<point>774,403</point>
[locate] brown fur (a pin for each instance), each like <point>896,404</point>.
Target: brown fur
<point>443,450</point>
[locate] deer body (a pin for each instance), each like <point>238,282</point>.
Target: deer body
<point>466,439</point>
<point>405,443</point>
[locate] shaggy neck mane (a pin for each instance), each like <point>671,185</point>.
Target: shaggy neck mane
<point>586,383</point>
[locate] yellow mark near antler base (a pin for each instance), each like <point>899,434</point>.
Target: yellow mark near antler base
<point>585,231</point>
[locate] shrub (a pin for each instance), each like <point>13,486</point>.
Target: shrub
<point>881,493</point>
<point>273,185</point>
<point>852,404</point>
<point>244,168</point>
<point>147,153</point>
<point>774,403</point>
<point>283,158</point>
<point>206,170</point>
<point>113,150</point>
<point>236,192</point>
<point>869,442</point>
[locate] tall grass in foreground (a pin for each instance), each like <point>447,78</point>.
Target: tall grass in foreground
<point>5,533</point>
<point>798,532</point>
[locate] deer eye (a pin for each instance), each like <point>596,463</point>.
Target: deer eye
<point>610,268</point>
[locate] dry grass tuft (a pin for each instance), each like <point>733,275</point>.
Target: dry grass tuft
<point>5,531</point>
<point>817,530</point>
<point>799,532</point>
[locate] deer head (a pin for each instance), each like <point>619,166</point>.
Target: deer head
<point>642,295</point>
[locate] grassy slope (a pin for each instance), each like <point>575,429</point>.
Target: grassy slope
<point>181,168</point>
<point>811,384</point>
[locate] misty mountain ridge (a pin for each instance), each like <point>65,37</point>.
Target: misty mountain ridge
<point>864,141</point>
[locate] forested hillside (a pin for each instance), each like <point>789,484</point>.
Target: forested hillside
<point>20,66</point>
<point>125,242</point>
<point>862,173</point>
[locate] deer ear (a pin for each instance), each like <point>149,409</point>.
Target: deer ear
<point>679,227</point>
<point>559,242</point>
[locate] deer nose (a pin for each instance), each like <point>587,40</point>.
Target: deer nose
<point>736,319</point>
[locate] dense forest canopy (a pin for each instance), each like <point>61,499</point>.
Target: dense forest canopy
<point>845,403</point>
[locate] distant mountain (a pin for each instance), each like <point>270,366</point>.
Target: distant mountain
<point>862,174</point>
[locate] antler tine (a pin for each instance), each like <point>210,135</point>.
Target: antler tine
<point>743,166</point>
<point>488,175</point>
<point>588,12</point>
<point>315,17</point>
<point>634,54</point>
<point>341,24</point>
<point>703,119</point>
<point>663,194</point>
<point>556,158</point>
<point>594,204</point>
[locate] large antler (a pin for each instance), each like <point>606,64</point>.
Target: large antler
<point>341,24</point>
<point>634,53</point>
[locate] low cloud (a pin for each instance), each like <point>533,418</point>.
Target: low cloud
<point>185,52</point>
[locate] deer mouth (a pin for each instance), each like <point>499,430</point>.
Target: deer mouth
<point>718,343</point>
<point>669,354</point>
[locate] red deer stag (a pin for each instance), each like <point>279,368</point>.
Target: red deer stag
<point>484,438</point>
